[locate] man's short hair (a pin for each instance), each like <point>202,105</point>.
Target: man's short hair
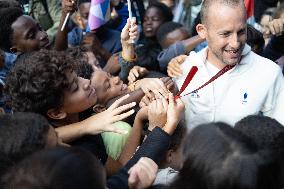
<point>207,3</point>
<point>38,81</point>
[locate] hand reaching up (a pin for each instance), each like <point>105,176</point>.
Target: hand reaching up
<point>103,121</point>
<point>173,68</point>
<point>136,72</point>
<point>154,85</point>
<point>129,33</point>
<point>142,174</point>
<point>174,114</point>
<point>157,113</point>
<point>69,6</point>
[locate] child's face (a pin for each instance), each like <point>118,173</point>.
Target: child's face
<point>174,36</point>
<point>84,10</point>
<point>28,35</point>
<point>152,20</point>
<point>107,87</point>
<point>80,96</point>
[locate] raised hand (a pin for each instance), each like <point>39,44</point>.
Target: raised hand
<point>130,32</point>
<point>136,72</point>
<point>153,85</point>
<point>69,6</point>
<point>174,114</point>
<point>157,113</point>
<point>173,68</point>
<point>103,121</point>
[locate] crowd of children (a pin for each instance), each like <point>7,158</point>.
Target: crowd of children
<point>105,108</point>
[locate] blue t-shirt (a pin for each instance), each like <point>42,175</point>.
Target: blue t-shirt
<point>9,62</point>
<point>109,38</point>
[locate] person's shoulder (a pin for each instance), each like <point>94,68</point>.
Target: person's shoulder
<point>262,62</point>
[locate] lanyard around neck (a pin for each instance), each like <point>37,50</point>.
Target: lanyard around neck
<point>192,73</point>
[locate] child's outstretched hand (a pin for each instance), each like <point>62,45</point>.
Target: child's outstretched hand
<point>174,113</point>
<point>103,121</point>
<point>129,33</point>
<point>135,73</point>
<point>173,68</point>
<point>157,113</point>
<point>152,85</point>
<point>69,6</point>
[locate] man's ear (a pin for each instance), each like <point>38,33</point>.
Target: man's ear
<point>98,108</point>
<point>55,113</point>
<point>201,30</point>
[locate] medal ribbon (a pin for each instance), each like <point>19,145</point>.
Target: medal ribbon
<point>192,73</point>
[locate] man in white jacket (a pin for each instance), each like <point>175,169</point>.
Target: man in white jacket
<point>254,85</point>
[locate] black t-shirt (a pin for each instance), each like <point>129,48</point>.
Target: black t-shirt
<point>94,144</point>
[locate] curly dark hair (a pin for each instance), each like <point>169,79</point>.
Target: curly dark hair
<point>21,134</point>
<point>38,80</point>
<point>9,13</point>
<point>81,66</point>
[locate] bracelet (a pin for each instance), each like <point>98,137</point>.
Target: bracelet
<point>129,59</point>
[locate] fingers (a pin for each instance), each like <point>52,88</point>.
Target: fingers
<point>145,101</point>
<point>133,178</point>
<point>69,6</point>
<point>165,104</point>
<point>161,89</point>
<point>122,116</point>
<point>174,69</point>
<point>123,108</point>
<point>118,101</point>
<point>276,27</point>
<point>149,165</point>
<point>133,75</point>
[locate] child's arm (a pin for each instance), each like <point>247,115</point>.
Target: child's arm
<point>176,49</point>
<point>134,139</point>
<point>97,123</point>
<point>134,96</point>
<point>128,37</point>
<point>61,42</point>
<point>127,58</point>
<point>190,43</point>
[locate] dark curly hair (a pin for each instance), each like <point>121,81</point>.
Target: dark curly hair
<point>81,66</point>
<point>38,80</point>
<point>21,134</point>
<point>9,13</point>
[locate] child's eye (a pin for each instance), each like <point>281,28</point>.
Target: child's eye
<point>31,35</point>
